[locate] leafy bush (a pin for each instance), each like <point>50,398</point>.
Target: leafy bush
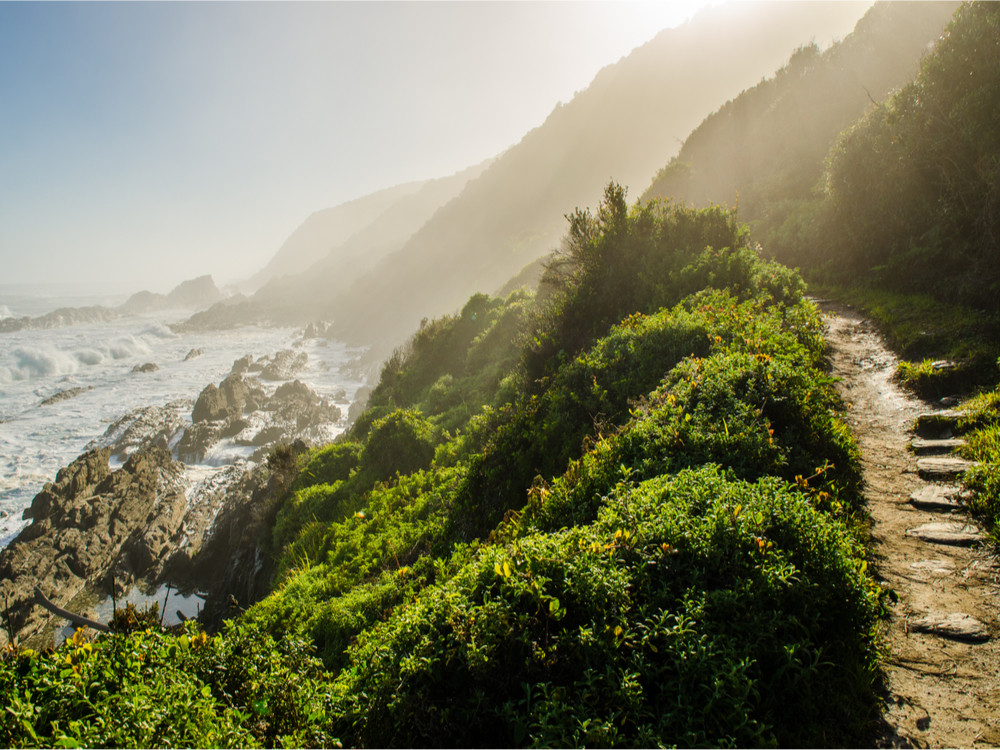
<point>695,610</point>
<point>399,443</point>
<point>152,688</point>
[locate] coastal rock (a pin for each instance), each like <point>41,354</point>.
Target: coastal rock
<point>194,294</point>
<point>228,400</point>
<point>240,409</point>
<point>146,367</point>
<point>242,365</point>
<point>143,426</point>
<point>66,394</point>
<point>317,330</point>
<point>197,352</point>
<point>90,522</point>
<point>64,316</point>
<point>296,402</point>
<point>285,365</point>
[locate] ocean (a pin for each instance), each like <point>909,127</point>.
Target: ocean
<point>95,362</point>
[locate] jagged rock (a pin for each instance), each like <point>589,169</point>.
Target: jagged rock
<point>942,468</point>
<point>295,401</point>
<point>268,435</point>
<point>198,439</point>
<point>317,330</point>
<point>231,562</point>
<point>88,522</point>
<point>64,316</point>
<point>77,478</point>
<point>285,365</point>
<point>146,367</point>
<point>194,293</point>
<point>241,365</point>
<point>956,625</point>
<point>924,446</point>
<point>63,395</point>
<point>193,353</point>
<point>143,426</point>
<point>228,400</point>
<point>944,497</point>
<point>941,532</point>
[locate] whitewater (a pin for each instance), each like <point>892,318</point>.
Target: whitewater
<point>93,365</point>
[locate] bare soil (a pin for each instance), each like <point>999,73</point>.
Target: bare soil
<point>942,691</point>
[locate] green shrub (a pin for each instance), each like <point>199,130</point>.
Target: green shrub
<point>399,443</point>
<point>329,463</point>
<point>151,688</point>
<point>696,610</point>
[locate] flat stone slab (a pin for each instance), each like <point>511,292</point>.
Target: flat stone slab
<point>940,566</point>
<point>923,446</point>
<point>944,497</point>
<point>947,532</point>
<point>943,468</point>
<point>956,625</point>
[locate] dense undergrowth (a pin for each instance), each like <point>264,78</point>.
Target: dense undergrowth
<point>621,512</point>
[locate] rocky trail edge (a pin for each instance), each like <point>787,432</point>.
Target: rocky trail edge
<point>943,634</point>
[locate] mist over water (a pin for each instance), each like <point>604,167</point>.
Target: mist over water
<point>92,364</point>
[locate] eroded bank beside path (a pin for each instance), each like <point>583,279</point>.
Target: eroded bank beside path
<point>943,638</point>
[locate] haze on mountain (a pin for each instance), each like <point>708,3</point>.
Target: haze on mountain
<point>625,125</point>
<point>765,151</point>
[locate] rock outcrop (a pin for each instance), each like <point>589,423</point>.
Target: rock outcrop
<point>143,426</point>
<point>66,394</point>
<point>154,519</point>
<point>93,523</point>
<point>240,410</point>
<point>194,294</point>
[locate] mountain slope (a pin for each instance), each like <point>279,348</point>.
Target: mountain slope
<point>323,230</point>
<point>303,295</point>
<point>765,150</point>
<point>624,124</point>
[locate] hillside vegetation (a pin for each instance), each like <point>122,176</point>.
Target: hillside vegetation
<point>766,149</point>
<point>897,212</point>
<point>621,512</point>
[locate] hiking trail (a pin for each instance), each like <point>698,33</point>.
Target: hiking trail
<point>943,636</point>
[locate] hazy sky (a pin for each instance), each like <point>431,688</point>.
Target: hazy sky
<point>151,142</point>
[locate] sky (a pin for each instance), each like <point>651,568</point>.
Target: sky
<point>144,143</point>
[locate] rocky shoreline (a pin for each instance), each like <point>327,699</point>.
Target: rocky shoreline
<point>178,494</point>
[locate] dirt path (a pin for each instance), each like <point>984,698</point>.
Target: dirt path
<point>944,685</point>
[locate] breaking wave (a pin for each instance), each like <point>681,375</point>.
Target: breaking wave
<point>34,362</point>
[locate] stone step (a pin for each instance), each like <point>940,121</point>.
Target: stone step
<point>942,468</point>
<point>923,446</point>
<point>947,532</point>
<point>944,497</point>
<point>955,625</point>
